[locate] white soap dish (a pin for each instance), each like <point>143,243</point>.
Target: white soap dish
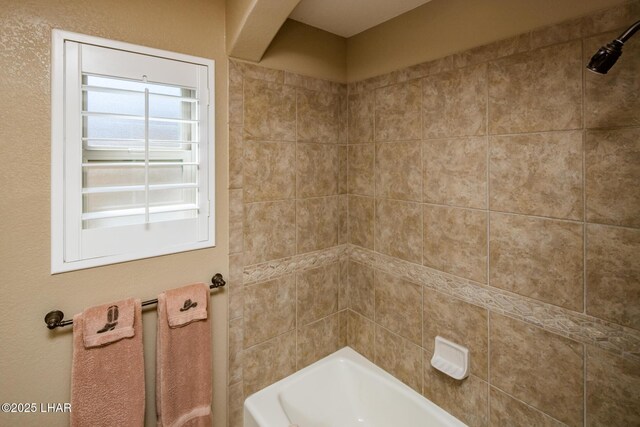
<point>451,358</point>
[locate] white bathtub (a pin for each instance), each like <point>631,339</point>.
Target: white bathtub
<point>342,390</point>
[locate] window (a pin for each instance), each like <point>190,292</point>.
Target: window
<point>132,152</point>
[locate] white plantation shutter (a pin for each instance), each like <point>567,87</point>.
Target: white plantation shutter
<point>137,143</point>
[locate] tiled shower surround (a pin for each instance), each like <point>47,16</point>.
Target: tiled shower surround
<point>491,197</point>
<point>288,205</point>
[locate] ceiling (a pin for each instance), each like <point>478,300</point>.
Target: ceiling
<point>350,17</point>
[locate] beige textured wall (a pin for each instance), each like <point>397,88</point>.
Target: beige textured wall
<point>252,25</point>
<point>306,50</point>
<point>494,199</point>
<point>35,364</point>
<point>235,13</point>
<point>287,206</point>
<point>443,27</point>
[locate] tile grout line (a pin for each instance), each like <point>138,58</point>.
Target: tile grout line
<point>584,232</point>
<point>526,404</point>
<point>584,384</point>
<point>422,199</point>
<point>374,137</point>
<point>489,382</point>
<point>488,230</point>
<point>297,326</point>
<point>540,217</point>
<point>345,280</point>
<point>375,324</point>
<point>487,207</point>
<point>375,214</point>
<point>422,356</point>
<point>270,339</point>
<point>584,189</point>
<point>297,196</point>
<point>241,279</point>
<point>241,159</point>
<point>348,195</point>
<point>508,134</point>
<point>422,170</point>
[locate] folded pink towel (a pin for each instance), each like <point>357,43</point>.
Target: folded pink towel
<point>108,323</point>
<point>107,377</point>
<point>186,305</point>
<point>183,358</point>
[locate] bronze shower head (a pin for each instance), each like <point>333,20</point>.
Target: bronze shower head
<point>607,55</point>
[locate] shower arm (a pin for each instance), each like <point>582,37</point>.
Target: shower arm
<point>630,32</point>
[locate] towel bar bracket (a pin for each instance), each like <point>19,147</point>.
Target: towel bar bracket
<point>54,318</point>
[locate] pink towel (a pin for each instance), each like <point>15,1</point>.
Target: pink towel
<point>183,358</point>
<point>107,377</point>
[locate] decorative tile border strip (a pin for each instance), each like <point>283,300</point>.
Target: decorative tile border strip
<point>270,269</point>
<point>577,326</point>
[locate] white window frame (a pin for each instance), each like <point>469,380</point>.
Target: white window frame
<point>58,263</point>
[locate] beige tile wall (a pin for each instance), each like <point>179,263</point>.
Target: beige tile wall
<point>509,168</point>
<point>491,197</point>
<point>289,200</point>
